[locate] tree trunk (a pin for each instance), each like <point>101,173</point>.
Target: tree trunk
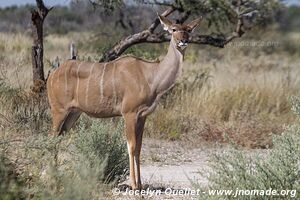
<point>37,51</point>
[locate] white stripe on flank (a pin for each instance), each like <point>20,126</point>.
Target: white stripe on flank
<point>101,81</point>
<point>88,85</point>
<point>58,77</point>
<point>77,90</point>
<point>51,83</point>
<point>66,82</point>
<point>114,85</point>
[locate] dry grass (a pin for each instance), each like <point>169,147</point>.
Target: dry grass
<point>230,95</point>
<point>233,95</point>
<point>239,94</point>
<point>15,56</point>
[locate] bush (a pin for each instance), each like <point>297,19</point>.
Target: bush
<point>104,143</point>
<point>10,185</point>
<point>278,169</point>
<point>21,110</point>
<point>73,167</point>
<point>77,180</point>
<point>80,166</point>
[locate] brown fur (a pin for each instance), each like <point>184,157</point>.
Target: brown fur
<point>128,87</point>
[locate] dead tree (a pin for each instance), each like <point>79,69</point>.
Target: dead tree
<point>37,52</point>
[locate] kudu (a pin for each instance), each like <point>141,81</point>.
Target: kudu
<point>128,87</point>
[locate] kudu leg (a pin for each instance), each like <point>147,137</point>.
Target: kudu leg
<point>139,138</point>
<point>69,121</point>
<point>130,131</point>
<point>58,118</point>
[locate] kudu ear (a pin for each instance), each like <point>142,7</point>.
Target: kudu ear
<point>193,24</point>
<point>165,23</point>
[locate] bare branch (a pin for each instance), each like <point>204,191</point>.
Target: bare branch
<point>148,35</point>
<point>126,42</point>
<point>239,32</point>
<point>42,9</point>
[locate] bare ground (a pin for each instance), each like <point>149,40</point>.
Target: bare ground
<point>177,166</point>
<point>172,165</point>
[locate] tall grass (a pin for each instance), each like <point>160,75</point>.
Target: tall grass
<point>231,94</point>
<point>21,110</point>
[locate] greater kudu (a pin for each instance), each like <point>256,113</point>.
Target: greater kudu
<point>130,87</point>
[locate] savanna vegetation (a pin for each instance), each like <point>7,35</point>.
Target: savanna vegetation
<point>240,95</point>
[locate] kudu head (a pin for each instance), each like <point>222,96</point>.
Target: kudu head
<point>180,32</point>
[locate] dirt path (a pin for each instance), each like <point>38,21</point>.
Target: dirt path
<point>171,165</point>
<point>175,176</point>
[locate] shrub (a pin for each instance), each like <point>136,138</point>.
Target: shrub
<point>277,169</point>
<point>104,143</point>
<point>10,184</point>
<point>53,169</point>
<point>21,110</point>
<point>77,180</point>
<point>79,166</point>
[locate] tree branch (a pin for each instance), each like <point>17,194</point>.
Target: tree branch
<point>148,35</point>
<point>128,41</point>
<point>42,9</point>
<point>197,39</point>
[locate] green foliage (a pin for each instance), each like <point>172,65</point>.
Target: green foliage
<point>104,143</point>
<point>222,15</point>
<point>86,15</point>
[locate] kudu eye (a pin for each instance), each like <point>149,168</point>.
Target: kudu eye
<point>174,30</point>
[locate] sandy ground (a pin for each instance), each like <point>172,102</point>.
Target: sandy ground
<point>175,166</point>
<point>173,163</point>
<point>170,166</point>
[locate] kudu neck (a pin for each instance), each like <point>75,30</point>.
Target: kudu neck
<point>174,52</point>
<point>169,68</point>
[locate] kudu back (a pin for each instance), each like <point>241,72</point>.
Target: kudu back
<point>130,87</point>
